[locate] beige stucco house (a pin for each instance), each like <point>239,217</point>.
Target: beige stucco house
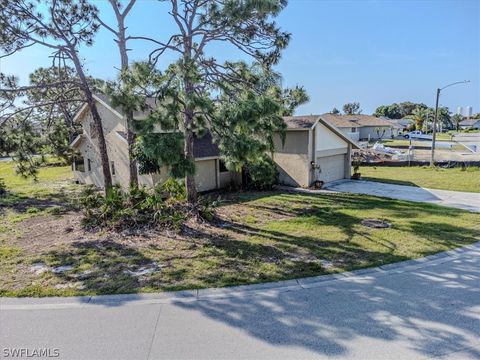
<point>313,150</point>
<point>363,127</point>
<point>210,170</point>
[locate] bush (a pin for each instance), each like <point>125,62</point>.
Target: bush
<point>3,187</point>
<point>163,206</point>
<point>263,173</point>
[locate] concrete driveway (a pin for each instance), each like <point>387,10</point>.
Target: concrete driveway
<point>456,199</point>
<point>415,310</point>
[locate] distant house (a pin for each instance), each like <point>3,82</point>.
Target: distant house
<point>211,173</point>
<point>313,150</point>
<point>402,125</point>
<point>470,124</point>
<point>363,127</point>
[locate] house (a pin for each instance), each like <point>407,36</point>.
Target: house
<point>362,127</point>
<point>313,150</point>
<point>403,125</point>
<point>211,173</point>
<point>470,124</point>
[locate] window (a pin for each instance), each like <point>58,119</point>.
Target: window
<point>113,167</point>
<point>79,164</point>
<point>354,129</point>
<point>222,166</point>
<point>89,165</point>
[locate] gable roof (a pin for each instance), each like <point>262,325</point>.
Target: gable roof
<point>308,122</point>
<point>300,122</point>
<point>357,120</point>
<point>105,100</point>
<point>77,141</point>
<point>468,122</point>
<point>204,147</point>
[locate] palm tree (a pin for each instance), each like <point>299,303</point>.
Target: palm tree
<point>456,120</point>
<point>419,116</point>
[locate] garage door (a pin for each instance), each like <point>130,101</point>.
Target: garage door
<point>205,175</point>
<point>332,167</point>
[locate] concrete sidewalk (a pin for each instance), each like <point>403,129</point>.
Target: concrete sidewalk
<point>428,308</point>
<point>456,199</point>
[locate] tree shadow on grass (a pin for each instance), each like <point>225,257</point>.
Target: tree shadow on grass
<point>62,200</point>
<point>100,266</point>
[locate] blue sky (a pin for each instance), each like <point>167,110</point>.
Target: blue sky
<point>373,52</point>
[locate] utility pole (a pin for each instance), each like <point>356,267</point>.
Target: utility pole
<point>434,134</point>
<point>432,158</point>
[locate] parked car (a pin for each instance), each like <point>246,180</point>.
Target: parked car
<point>417,134</point>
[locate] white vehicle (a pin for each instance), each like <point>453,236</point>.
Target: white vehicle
<point>417,134</point>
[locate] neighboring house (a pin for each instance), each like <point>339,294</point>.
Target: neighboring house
<point>313,150</point>
<point>210,170</point>
<point>470,124</point>
<point>403,125</point>
<point>362,127</point>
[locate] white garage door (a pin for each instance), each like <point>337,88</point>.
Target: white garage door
<point>332,167</point>
<point>205,175</point>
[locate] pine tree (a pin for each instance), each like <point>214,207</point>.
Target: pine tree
<point>246,25</point>
<point>61,26</point>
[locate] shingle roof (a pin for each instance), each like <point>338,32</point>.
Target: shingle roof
<point>305,122</point>
<point>469,122</point>
<point>300,122</point>
<point>205,147</point>
<point>358,120</point>
<point>150,102</point>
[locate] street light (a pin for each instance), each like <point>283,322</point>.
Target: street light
<point>434,135</point>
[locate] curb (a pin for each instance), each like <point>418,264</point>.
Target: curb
<point>262,289</point>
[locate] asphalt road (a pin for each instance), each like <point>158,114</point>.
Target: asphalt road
<point>427,309</point>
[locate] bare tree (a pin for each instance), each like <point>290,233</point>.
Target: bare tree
<point>121,39</point>
<point>61,26</point>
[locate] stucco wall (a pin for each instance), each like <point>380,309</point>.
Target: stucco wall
<point>296,142</point>
<point>117,148</point>
<point>225,178</point>
<point>355,136</point>
<point>372,131</point>
<point>325,139</point>
<point>293,169</point>
<point>292,158</point>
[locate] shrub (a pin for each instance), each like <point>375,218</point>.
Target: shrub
<point>163,206</point>
<point>3,187</point>
<point>174,188</point>
<point>263,173</point>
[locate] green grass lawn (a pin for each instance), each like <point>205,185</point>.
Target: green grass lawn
<point>258,237</point>
<point>405,142</point>
<point>52,181</point>
<point>433,178</point>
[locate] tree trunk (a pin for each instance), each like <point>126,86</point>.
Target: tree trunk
<point>122,46</point>
<point>131,156</point>
<point>188,151</point>
<point>121,41</point>
<point>188,117</point>
<point>102,145</point>
<point>190,178</point>
<point>97,120</point>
